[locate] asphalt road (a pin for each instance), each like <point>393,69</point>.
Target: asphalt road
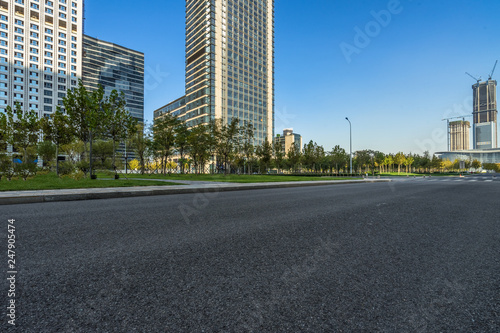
<point>409,256</point>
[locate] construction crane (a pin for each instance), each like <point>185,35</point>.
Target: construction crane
<point>489,78</point>
<point>474,77</point>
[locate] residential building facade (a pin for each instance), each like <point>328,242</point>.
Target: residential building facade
<point>40,52</point>
<point>115,67</point>
<point>229,65</point>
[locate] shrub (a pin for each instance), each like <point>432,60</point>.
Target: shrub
<point>83,166</point>
<point>66,168</point>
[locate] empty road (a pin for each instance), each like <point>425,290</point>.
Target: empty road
<point>414,255</point>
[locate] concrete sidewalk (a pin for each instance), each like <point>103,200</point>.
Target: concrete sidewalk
<point>23,197</point>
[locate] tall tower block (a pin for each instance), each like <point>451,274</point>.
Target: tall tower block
<point>485,115</point>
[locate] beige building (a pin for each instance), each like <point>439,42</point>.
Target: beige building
<point>229,65</point>
<point>288,139</point>
<point>459,135</point>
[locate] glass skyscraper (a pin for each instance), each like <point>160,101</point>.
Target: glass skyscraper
<point>115,67</point>
<point>229,65</point>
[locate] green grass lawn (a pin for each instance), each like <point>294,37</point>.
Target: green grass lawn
<point>233,178</point>
<point>51,181</point>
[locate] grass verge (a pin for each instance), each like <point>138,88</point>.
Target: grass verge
<point>52,181</point>
<point>233,178</point>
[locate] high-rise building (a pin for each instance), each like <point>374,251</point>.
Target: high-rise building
<point>115,67</point>
<point>288,140</point>
<point>459,135</point>
<point>40,52</point>
<point>485,115</point>
<point>229,65</point>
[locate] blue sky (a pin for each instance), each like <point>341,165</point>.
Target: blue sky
<point>395,85</point>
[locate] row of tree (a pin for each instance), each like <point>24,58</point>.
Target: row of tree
<point>88,116</point>
<point>93,126</point>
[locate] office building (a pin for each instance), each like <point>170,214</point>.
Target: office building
<point>288,140</point>
<point>485,115</point>
<point>40,52</point>
<point>229,65</point>
<point>459,135</point>
<point>115,67</point>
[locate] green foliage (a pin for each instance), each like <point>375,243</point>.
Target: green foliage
<point>264,152</point>
<point>476,164</point>
<point>338,158</point>
<point>66,168</point>
<point>140,144</point>
<point>279,154</point>
<point>47,151</point>
<point>164,138</point>
<point>182,142</point>
<point>495,167</point>
<point>83,166</point>
<point>199,143</point>
<point>294,156</point>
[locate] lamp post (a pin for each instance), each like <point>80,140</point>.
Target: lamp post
<point>350,142</point>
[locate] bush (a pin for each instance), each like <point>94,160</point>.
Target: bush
<point>66,168</point>
<point>83,166</point>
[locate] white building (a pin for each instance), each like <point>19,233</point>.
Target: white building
<point>40,52</point>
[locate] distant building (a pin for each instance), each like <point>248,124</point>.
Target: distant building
<point>485,115</point>
<point>459,135</point>
<point>229,65</point>
<point>482,155</point>
<point>289,139</point>
<point>115,67</point>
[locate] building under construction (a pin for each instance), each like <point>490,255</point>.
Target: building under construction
<point>485,115</point>
<point>459,135</point>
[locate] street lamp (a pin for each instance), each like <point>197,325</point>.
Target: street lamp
<point>350,141</point>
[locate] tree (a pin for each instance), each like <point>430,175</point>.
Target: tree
<point>227,140</point>
<point>182,142</point>
<point>389,161</point>
<point>57,129</point>
<point>103,149</point>
<point>265,153</point>
<point>134,164</point>
<point>248,147</point>
<point>279,154</point>
<point>379,160</point>
<point>399,159</point>
<point>119,122</point>
<point>308,157</point>
<point>408,162</point>
<point>294,156</point>
<point>476,164</point>
<point>46,150</point>
<point>26,130</point>
<point>164,138</point>
<point>338,157</point>
<point>437,163</point>
<point>363,158</point>
<point>199,143</point>
<point>87,117</point>
<point>140,144</point>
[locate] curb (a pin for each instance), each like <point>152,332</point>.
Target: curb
<point>110,193</point>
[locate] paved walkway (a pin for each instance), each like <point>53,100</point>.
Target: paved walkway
<point>21,197</point>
